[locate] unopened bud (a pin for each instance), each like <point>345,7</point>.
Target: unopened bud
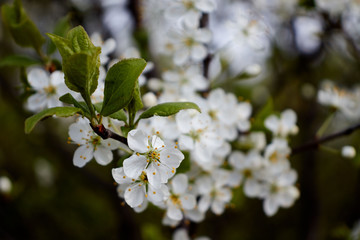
<point>149,99</point>
<point>5,185</point>
<point>348,152</point>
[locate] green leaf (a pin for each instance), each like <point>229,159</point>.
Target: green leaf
<point>168,109</point>
<point>61,28</point>
<point>69,99</point>
<point>120,82</point>
<point>80,73</point>
<point>81,62</point>
<point>119,115</point>
<point>18,61</point>
<point>58,111</point>
<point>79,40</point>
<point>22,29</point>
<point>62,44</point>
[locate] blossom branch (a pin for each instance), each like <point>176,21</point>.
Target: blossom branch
<point>106,133</point>
<point>315,143</point>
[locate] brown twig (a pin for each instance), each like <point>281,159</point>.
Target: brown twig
<point>106,133</point>
<point>315,143</point>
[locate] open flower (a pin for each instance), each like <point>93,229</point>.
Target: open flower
<point>136,191</point>
<point>48,89</point>
<point>179,198</point>
<point>283,126</point>
<point>151,156</point>
<point>90,144</point>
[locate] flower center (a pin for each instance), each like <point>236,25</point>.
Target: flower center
<point>95,140</point>
<point>189,42</point>
<point>274,157</point>
<point>143,177</point>
<point>213,114</point>
<point>274,188</point>
<point>188,4</point>
<point>247,173</point>
<point>195,134</point>
<point>50,90</point>
<point>175,199</point>
<point>153,155</point>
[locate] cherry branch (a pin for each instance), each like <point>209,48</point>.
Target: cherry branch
<point>106,133</point>
<point>315,143</point>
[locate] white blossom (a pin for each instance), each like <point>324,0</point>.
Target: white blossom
<point>136,191</point>
<point>158,161</point>
<point>48,88</point>
<point>90,144</point>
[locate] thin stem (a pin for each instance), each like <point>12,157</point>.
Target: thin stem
<point>325,125</point>
<point>315,143</point>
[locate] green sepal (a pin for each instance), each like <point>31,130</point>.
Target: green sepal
<point>168,109</point>
<point>58,111</point>
<point>120,82</point>
<point>22,29</point>
<point>18,61</point>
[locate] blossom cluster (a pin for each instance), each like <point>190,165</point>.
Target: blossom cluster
<point>190,163</point>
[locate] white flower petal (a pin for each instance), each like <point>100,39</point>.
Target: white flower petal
<point>174,213</point>
<point>153,175</point>
<point>83,155</point>
<point>37,102</point>
<point>171,157</point>
<point>155,194</point>
<point>53,101</point>
<point>157,143</point>
<point>78,131</point>
<point>119,176</point>
<point>188,201</point>
<point>198,52</point>
<point>217,207</point>
<point>38,78</point>
<point>183,121</point>
<point>103,156</point>
<point>179,183</point>
<point>272,123</point>
<point>181,56</point>
<point>134,165</point>
<point>138,141</point>
<point>252,188</point>
<point>203,35</point>
<point>135,194</point>
<point>186,142</point>
<point>141,207</point>
<point>204,203</point>
<point>57,78</point>
<point>204,185</point>
<point>270,206</point>
<point>205,5</point>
